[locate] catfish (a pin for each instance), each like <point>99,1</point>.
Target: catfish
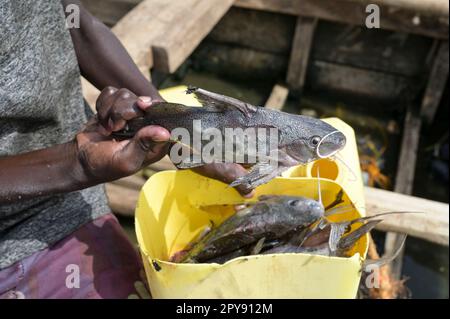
<point>298,140</point>
<point>270,218</point>
<point>331,239</point>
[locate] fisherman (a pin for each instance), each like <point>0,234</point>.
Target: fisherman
<point>58,238</point>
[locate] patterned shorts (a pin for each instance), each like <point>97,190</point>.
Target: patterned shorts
<point>96,261</point>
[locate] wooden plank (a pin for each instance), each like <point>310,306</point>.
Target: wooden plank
<point>163,165</point>
<point>407,161</point>
<point>301,47</point>
<point>109,11</point>
<point>252,28</point>
<point>436,7</point>
<point>134,31</point>
<point>188,23</point>
<point>133,182</point>
<point>239,62</point>
<point>277,97</point>
<point>90,93</point>
<point>138,28</point>
<point>436,84</point>
<point>380,50</point>
<point>172,28</point>
<point>122,200</point>
<point>404,180</point>
<point>421,17</point>
<point>357,82</point>
<point>432,225</point>
<point>430,18</point>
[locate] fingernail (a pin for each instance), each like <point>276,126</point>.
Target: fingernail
<point>161,136</point>
<point>146,99</point>
<point>103,131</point>
<point>249,195</point>
<point>160,139</point>
<point>110,125</point>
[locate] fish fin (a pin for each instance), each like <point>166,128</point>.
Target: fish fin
<point>337,200</point>
<point>258,247</point>
<point>266,197</point>
<point>221,102</point>
<point>336,232</point>
<point>303,235</point>
<point>387,258</point>
<point>348,241</point>
<point>206,231</point>
<point>339,210</point>
<point>186,164</point>
<point>259,174</point>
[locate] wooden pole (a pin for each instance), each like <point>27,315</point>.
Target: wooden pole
<point>301,47</point>
<point>436,84</point>
<point>404,180</point>
<point>277,97</point>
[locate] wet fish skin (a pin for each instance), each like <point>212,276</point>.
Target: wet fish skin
<point>343,245</point>
<point>322,250</point>
<point>244,251</point>
<point>318,243</point>
<point>298,135</point>
<point>272,217</point>
<point>348,241</point>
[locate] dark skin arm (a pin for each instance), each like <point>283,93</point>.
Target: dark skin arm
<point>102,58</point>
<point>105,62</point>
<point>93,157</point>
<point>90,159</point>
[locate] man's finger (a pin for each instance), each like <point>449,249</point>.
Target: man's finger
<point>150,139</point>
<point>115,107</point>
<point>103,103</point>
<point>123,110</point>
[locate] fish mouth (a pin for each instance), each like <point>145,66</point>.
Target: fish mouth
<point>330,144</point>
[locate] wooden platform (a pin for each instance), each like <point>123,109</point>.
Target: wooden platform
<point>162,34</point>
<point>425,17</point>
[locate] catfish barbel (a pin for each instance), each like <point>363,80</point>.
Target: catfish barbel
<point>299,139</point>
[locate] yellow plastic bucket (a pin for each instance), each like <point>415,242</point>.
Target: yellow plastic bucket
<point>174,207</point>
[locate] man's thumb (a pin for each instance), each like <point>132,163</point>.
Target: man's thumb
<point>150,139</point>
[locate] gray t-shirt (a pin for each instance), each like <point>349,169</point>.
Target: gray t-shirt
<point>40,105</point>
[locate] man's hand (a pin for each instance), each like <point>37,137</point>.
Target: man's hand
<point>101,156</point>
<point>105,159</point>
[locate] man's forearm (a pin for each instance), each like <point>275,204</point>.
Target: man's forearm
<point>102,58</point>
<point>42,172</point>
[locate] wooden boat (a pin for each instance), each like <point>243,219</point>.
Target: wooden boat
<point>307,48</point>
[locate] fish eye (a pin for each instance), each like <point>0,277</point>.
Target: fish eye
<point>293,202</point>
<point>315,140</point>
